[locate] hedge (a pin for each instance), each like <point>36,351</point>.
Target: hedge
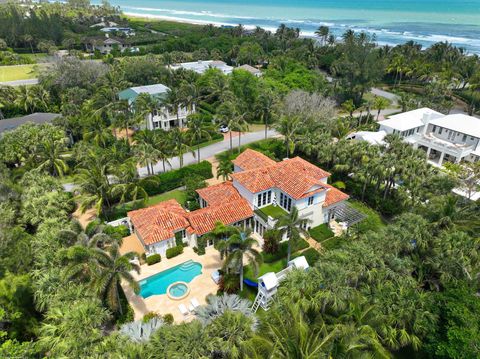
<point>311,255</point>
<point>168,181</point>
<point>283,251</point>
<point>154,258</point>
<point>174,251</point>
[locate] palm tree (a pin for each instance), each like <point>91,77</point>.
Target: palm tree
<point>265,108</point>
<point>173,102</point>
<point>238,123</point>
<point>225,116</point>
<point>288,127</point>
<point>163,148</point>
<point>224,169</point>
<point>240,246</point>
<point>180,143</point>
<point>292,226</point>
<point>323,32</point>
<point>198,131</point>
<point>130,186</point>
<point>145,149</point>
<point>380,104</point>
<point>49,157</point>
<point>145,107</point>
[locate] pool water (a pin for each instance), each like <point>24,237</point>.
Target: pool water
<point>178,290</point>
<point>158,283</point>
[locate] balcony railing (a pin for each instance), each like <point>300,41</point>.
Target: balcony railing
<point>430,140</point>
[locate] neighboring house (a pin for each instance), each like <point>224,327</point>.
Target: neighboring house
<point>126,30</point>
<point>162,118</point>
<point>104,23</point>
<point>105,45</point>
<point>261,191</point>
<point>452,138</point>
<point>201,66</point>
<point>253,70</point>
<point>36,118</point>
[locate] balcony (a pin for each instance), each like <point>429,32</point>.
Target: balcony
<point>429,140</point>
<point>270,214</point>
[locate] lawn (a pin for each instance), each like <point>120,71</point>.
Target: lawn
<point>273,211</point>
<point>372,222</point>
<point>120,211</point>
<point>321,233</point>
<point>17,72</point>
<point>276,266</point>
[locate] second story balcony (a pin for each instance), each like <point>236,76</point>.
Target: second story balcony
<point>430,140</point>
<point>270,214</point>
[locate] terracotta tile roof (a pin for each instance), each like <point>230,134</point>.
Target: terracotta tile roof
<point>219,193</point>
<point>296,177</point>
<point>250,159</point>
<point>160,222</point>
<point>334,195</point>
<point>203,220</point>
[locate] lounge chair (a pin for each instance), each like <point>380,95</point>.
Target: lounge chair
<point>183,309</point>
<point>195,303</point>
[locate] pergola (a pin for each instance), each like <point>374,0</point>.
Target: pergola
<point>348,215</point>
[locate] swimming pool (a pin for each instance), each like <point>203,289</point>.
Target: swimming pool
<point>158,283</point>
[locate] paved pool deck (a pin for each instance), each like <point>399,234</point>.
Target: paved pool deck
<point>200,287</point>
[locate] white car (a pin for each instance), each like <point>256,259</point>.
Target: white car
<point>224,129</point>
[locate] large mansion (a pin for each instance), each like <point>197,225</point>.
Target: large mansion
<point>161,118</point>
<point>452,138</point>
<point>260,192</point>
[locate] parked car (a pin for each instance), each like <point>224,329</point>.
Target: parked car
<point>223,129</point>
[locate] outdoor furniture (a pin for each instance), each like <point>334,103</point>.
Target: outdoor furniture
<point>183,309</point>
<point>216,276</point>
<point>194,303</point>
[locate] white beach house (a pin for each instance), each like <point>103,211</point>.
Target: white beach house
<point>161,118</point>
<point>261,191</point>
<point>451,138</point>
<point>201,66</point>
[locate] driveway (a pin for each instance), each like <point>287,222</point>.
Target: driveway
<point>209,151</point>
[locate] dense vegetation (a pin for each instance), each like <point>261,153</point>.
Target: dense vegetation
<point>403,282</point>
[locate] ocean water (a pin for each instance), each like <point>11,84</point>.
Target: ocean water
<point>393,21</point>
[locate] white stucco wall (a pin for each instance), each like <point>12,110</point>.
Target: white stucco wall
<point>161,247</point>
<point>245,193</point>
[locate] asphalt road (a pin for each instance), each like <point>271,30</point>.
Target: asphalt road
<point>209,151</point>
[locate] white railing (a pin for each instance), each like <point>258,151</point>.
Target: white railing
<point>429,140</point>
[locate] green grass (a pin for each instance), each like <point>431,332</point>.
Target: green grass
<point>373,221</point>
<point>17,72</point>
<point>120,211</point>
<point>273,211</point>
<point>321,233</point>
<point>311,255</point>
<point>276,266</point>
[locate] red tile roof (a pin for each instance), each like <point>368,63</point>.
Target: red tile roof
<point>219,193</point>
<point>203,220</point>
<point>296,177</point>
<point>160,222</point>
<point>334,196</point>
<point>250,159</point>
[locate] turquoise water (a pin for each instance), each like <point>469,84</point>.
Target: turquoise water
<point>393,21</point>
<point>178,290</point>
<point>158,283</point>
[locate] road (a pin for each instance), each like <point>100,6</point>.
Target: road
<point>209,151</point>
<point>19,82</point>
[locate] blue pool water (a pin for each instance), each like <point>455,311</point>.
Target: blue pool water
<point>158,283</point>
<point>178,290</point>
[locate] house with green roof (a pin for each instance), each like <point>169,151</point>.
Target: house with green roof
<point>164,117</point>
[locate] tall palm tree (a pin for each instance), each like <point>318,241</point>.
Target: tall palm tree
<point>225,116</point>
<point>293,226</point>
<point>180,143</point>
<point>145,149</point>
<point>240,247</point>
<point>265,108</point>
<point>323,32</point>
<point>239,124</point>
<point>198,131</point>
<point>173,101</point>
<point>288,127</point>
<point>163,148</point>
<point>130,186</point>
<point>145,107</point>
<point>380,104</point>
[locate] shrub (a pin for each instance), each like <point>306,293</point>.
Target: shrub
<point>321,232</point>
<point>229,283</point>
<point>173,179</point>
<point>168,318</point>
<point>271,239</point>
<point>283,250</point>
<point>149,316</point>
<point>311,255</point>
<point>174,251</point>
<point>154,258</point>
<point>117,232</point>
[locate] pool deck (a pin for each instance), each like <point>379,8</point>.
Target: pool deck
<point>200,286</point>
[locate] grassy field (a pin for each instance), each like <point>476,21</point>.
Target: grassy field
<point>18,72</point>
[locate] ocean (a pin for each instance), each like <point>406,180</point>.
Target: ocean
<point>393,21</point>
